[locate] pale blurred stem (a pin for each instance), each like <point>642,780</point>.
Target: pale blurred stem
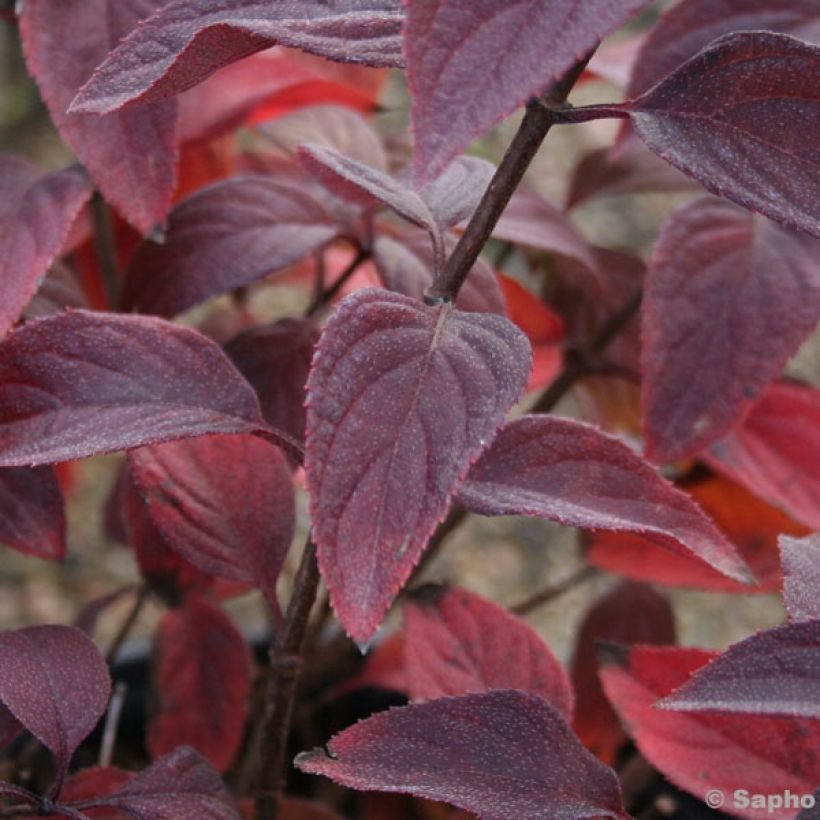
<point>539,116</point>
<point>106,248</point>
<point>323,297</point>
<point>271,748</point>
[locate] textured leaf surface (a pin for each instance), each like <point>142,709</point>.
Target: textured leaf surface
<point>222,237</point>
<point>456,642</point>
<point>700,751</point>
<point>32,519</point>
<point>225,503</point>
<point>56,683</point>
<point>774,672</point>
<point>180,786</point>
<point>689,26</point>
<point>81,383</point>
<point>401,399</point>
<point>728,299</point>
<point>730,117</point>
<point>131,155</point>
<point>59,290</point>
<point>775,452</point>
<point>630,613</point>
<point>37,210</point>
<point>801,576</point>
<point>455,193</point>
<point>188,41</point>
<point>446,46</point>
<point>90,783</point>
<point>203,680</point>
<point>751,524</point>
<point>504,755</point>
<point>571,473</point>
<point>275,359</point>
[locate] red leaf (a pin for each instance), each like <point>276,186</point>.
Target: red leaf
<point>729,116</point>
<point>406,265</point>
<point>630,613</point>
<point>58,291</point>
<point>775,452</point>
<point>81,383</point>
<point>203,679</point>
<point>503,754</point>
<point>37,209</point>
<point>32,519</point>
<point>188,40</point>
<point>699,751</point>
<point>697,383</point>
<point>226,235</point>
<point>569,472</point>
<point>801,576</point>
<point>446,46</point>
<point>401,399</point>
<point>749,523</point>
<point>275,359</point>
<point>180,786</point>
<point>91,783</point>
<point>225,503</point>
<point>774,672</point>
<point>56,683</point>
<point>131,155</point>
<point>688,26</point>
<point>456,642</point>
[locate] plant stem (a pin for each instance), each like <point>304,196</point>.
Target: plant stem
<point>553,592</point>
<point>127,625</point>
<point>106,249</point>
<point>325,296</point>
<point>285,669</point>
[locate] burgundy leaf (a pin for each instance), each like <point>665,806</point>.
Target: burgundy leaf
<point>328,126</point>
<point>81,383</point>
<point>37,209</point>
<point>296,808</point>
<point>630,613</point>
<point>774,672</point>
<point>728,299</point>
<point>775,452</point>
<point>700,751</point>
<point>180,786</point>
<point>131,155</point>
<point>448,47</point>
<point>504,755</point>
<point>743,118</point>
<point>56,683</point>
<point>203,679</point>
<point>32,519</point>
<point>406,266</point>
<point>801,576</point>
<point>92,783</point>
<point>190,39</point>
<point>225,503</point>
<point>455,193</point>
<point>690,25</point>
<point>402,398</point>
<point>224,236</point>
<point>456,642</point>
<point>59,290</point>
<point>275,359</point>
<point>569,472</point>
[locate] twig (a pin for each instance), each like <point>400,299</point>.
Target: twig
<point>553,592</point>
<point>127,625</point>
<point>112,722</point>
<point>323,297</point>
<point>106,248</point>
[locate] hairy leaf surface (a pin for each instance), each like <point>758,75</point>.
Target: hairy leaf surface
<point>456,642</point>
<point>131,154</point>
<point>801,576</point>
<point>728,299</point>
<point>774,672</point>
<point>32,519</point>
<point>37,209</point>
<point>203,680</point>
<point>743,118</point>
<point>226,235</point>
<point>55,682</point>
<point>448,47</point>
<point>571,473</point>
<point>82,383</point>
<point>190,39</point>
<point>402,398</point>
<point>504,755</point>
